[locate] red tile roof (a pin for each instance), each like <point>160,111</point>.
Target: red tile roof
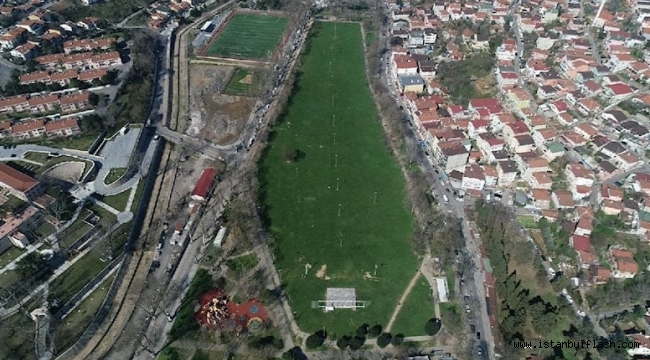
<point>15,179</point>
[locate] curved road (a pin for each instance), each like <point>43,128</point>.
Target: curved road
<point>98,186</point>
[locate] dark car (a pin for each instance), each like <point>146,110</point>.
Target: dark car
<point>478,335</point>
<point>472,328</point>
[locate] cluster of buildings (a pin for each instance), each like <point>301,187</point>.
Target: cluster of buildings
<point>563,102</point>
<point>36,27</point>
<point>14,224</point>
<point>80,62</point>
<point>161,12</point>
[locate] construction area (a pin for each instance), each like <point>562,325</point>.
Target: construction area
<point>215,116</point>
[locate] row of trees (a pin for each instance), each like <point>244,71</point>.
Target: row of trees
<point>362,333</point>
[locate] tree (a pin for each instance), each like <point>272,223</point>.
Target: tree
<point>397,340</point>
<point>291,155</point>
<point>30,264</point>
<point>171,353</point>
<point>362,330</point>
<point>93,99</point>
<point>316,339</point>
<point>432,326</point>
<point>357,342</point>
<point>375,331</point>
<point>384,339</point>
<point>294,353</point>
<point>343,341</point>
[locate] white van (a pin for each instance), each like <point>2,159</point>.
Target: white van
<point>445,198</point>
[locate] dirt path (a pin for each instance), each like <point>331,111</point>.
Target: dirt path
<point>405,294</point>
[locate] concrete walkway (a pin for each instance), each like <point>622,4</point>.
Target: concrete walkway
<point>103,205</point>
<point>87,294</point>
<point>66,265</point>
<point>129,202</point>
<point>52,239</point>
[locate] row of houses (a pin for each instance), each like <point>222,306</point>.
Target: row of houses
<point>66,103</point>
<point>81,61</point>
<point>35,128</point>
<point>62,78</point>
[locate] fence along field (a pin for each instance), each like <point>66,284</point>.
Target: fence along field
<point>334,194</point>
<point>248,36</point>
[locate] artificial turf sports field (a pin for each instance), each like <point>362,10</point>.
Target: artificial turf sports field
<point>332,119</point>
<point>248,36</point>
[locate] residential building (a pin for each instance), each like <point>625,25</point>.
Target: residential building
<point>14,104</point>
<point>541,198</point>
<point>473,178</point>
<point>87,45</point>
<point>507,172</point>
<point>64,127</point>
<point>18,184</point>
<point>623,264</point>
<point>411,83</point>
<point>28,129</point>
<point>75,102</point>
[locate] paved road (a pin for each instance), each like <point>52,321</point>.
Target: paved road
<point>475,284</point>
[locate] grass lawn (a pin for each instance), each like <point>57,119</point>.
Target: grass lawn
<point>417,310</point>
<point>243,82</point>
<point>527,222</point>
<point>249,36</point>
<point>243,263</point>
<point>339,236</point>
<point>8,279</point>
<point>77,276</point>
<point>75,231</point>
<point>114,174</point>
<point>74,324</point>
<point>37,156</point>
<point>9,256</point>
<point>138,195</point>
<point>79,142</point>
<point>451,317</point>
<point>106,218</point>
<point>116,201</point>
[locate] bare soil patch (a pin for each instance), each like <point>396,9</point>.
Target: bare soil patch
<point>248,79</point>
<point>322,273</point>
<point>214,116</point>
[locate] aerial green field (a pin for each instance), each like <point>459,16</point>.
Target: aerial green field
<point>333,193</point>
<point>243,83</point>
<point>416,311</point>
<point>249,37</point>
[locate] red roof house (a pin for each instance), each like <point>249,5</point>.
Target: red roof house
<point>202,187</point>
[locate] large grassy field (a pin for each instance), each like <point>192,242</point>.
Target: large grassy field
<point>339,203</point>
<point>416,311</point>
<point>249,36</point>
